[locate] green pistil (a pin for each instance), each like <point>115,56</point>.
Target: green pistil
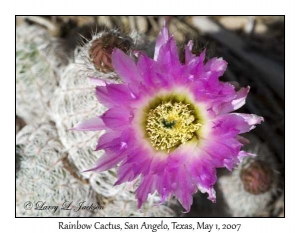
<point>167,124</point>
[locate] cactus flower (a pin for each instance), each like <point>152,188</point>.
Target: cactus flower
<point>170,124</point>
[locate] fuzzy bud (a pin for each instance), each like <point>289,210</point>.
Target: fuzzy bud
<point>257,177</point>
<point>102,48</point>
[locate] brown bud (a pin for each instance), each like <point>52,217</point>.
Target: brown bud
<point>102,47</point>
<point>257,177</point>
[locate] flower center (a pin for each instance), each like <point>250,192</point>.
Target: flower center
<point>171,124</point>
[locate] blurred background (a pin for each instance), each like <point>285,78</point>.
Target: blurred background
<point>48,52</point>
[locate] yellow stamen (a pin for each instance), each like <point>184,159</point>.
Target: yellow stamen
<point>171,124</point>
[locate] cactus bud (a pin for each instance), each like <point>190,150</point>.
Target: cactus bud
<point>257,177</point>
<point>102,47</point>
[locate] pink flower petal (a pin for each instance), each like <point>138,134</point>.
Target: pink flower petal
<point>204,176</point>
<point>184,188</point>
<point>97,81</point>
<point>115,95</point>
<point>125,67</point>
<point>216,65</point>
<point>239,121</point>
<point>168,59</point>
<point>164,185</point>
<point>107,161</point>
<point>103,96</point>
<point>162,38</point>
<point>221,155</point>
<point>243,154</point>
<point>147,186</point>
<point>107,140</point>
<point>93,124</point>
<point>238,101</point>
<point>116,118</point>
<point>125,174</point>
<point>147,70</point>
<point>195,66</point>
<point>250,121</point>
<point>188,52</point>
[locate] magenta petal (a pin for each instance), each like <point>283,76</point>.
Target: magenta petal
<point>93,124</point>
<point>107,140</point>
<point>204,175</point>
<point>250,120</point>
<point>125,67</point>
<point>147,186</point>
<point>241,122</point>
<point>238,101</point>
<point>147,69</point>
<point>97,81</point>
<point>240,98</point>
<point>116,118</point>
<point>162,38</point>
<point>243,154</point>
<point>164,185</point>
<point>185,188</point>
<point>216,65</point>
<point>188,52</point>
<point>140,162</point>
<point>115,95</point>
<point>103,97</point>
<point>224,127</point>
<point>125,174</point>
<point>195,65</point>
<point>107,161</point>
<point>168,58</point>
<point>211,194</point>
<point>222,154</point>
<point>208,176</point>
